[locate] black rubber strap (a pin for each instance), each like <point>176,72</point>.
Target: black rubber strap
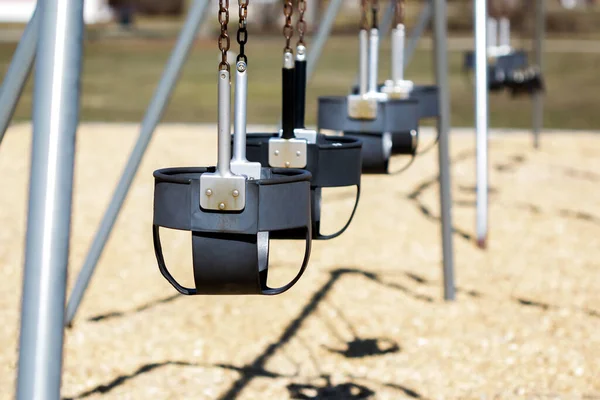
<point>275,291</point>
<point>163,267</point>
<point>337,161</point>
<point>375,160</point>
<point>216,276</point>
<point>288,99</point>
<point>319,236</point>
<point>300,92</point>
<point>226,263</point>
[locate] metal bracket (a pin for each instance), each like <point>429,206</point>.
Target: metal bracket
<point>287,153</point>
<point>309,135</point>
<point>362,107</point>
<point>398,89</point>
<point>250,170</point>
<point>222,193</point>
<point>221,190</point>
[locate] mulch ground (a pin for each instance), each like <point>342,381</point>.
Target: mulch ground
<point>368,319</point>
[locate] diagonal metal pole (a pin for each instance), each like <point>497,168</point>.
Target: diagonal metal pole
<point>481,119</point>
<point>325,26</point>
<point>55,118</point>
<point>151,119</point>
<point>417,32</point>
<point>18,72</point>
<point>441,72</point>
<point>386,22</point>
<point>538,53</point>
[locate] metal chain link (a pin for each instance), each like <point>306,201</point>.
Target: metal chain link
<point>400,12</point>
<point>374,12</point>
<point>301,24</point>
<point>288,30</point>
<point>224,41</point>
<point>364,23</point>
<point>242,33</point>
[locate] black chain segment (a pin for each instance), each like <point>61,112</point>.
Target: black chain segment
<point>242,33</point>
<point>374,14</point>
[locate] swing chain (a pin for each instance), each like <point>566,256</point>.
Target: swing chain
<point>288,30</point>
<point>364,23</point>
<point>242,33</point>
<point>301,25</point>
<point>374,12</point>
<point>400,12</point>
<point>224,41</point>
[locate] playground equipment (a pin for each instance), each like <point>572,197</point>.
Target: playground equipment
<point>384,116</point>
<point>54,37</point>
<point>508,69</point>
<point>232,209</point>
<point>385,120</point>
<point>333,161</point>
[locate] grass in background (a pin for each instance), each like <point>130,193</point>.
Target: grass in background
<point>120,77</point>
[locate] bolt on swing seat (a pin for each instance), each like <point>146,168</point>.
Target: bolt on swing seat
<point>232,209</point>
<point>333,161</point>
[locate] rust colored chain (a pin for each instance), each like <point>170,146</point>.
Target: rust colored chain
<point>374,14</point>
<point>400,12</point>
<point>364,22</point>
<point>288,30</point>
<point>224,41</point>
<point>242,33</point>
<point>301,25</point>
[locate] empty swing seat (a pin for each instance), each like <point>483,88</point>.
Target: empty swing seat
<point>231,249</point>
<point>333,161</point>
<point>393,130</point>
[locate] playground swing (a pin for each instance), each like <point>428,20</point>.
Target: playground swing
<point>231,215</point>
<point>333,161</point>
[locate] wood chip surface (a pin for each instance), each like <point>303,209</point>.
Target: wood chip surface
<point>367,320</point>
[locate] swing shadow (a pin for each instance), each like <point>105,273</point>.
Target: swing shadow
<point>257,368</point>
<point>147,368</point>
<point>515,161</point>
<point>348,390</point>
<point>118,314</point>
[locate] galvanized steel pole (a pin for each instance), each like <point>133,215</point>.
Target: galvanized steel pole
<point>481,119</point>
<point>18,71</point>
<point>441,72</point>
<point>538,53</point>
<point>55,118</point>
